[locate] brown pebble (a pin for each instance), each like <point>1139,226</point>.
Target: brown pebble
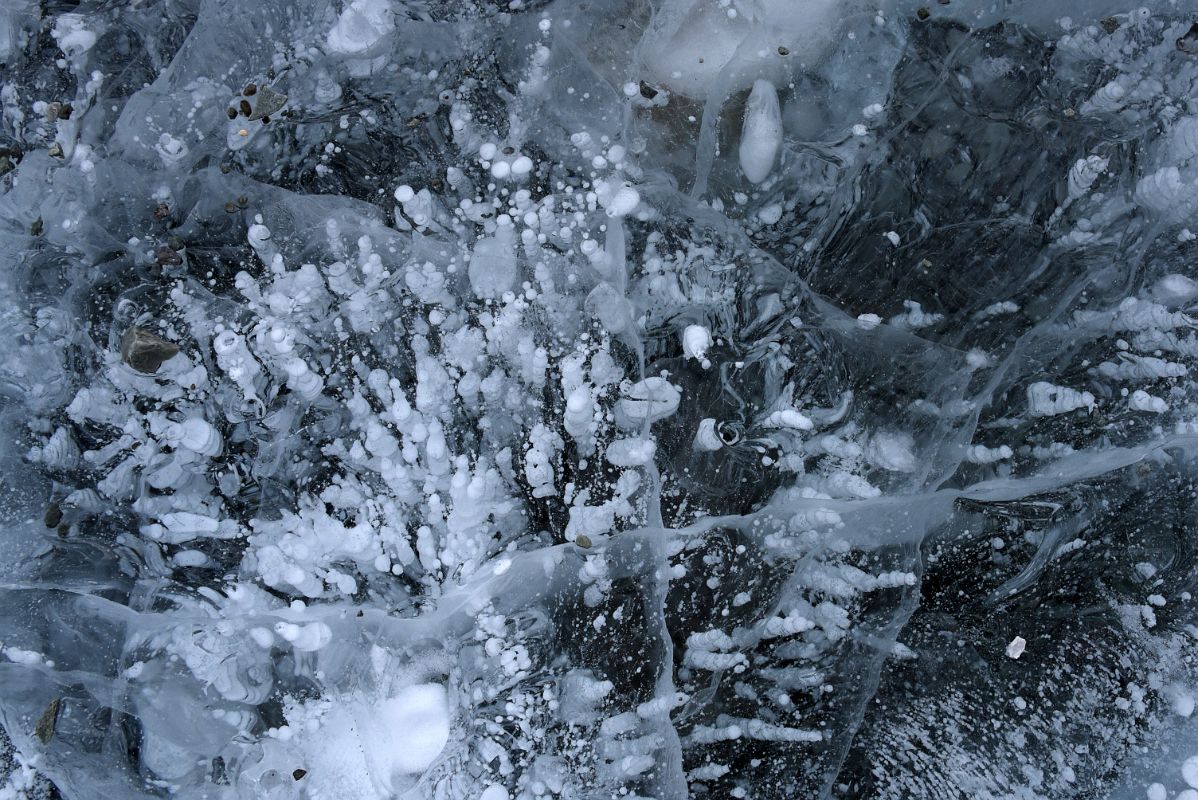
<point>250,90</point>
<point>65,111</point>
<point>1110,24</point>
<point>167,257</point>
<point>162,211</point>
<point>56,150</point>
<point>53,515</point>
<point>37,228</point>
<point>582,540</point>
<point>231,207</point>
<point>242,200</point>
<point>47,723</point>
<point>923,13</point>
<point>144,350</point>
<point>63,529</point>
<point>246,108</point>
<point>299,773</point>
<point>231,113</point>
<point>783,51</point>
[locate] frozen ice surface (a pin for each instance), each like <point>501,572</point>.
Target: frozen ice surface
<point>540,399</point>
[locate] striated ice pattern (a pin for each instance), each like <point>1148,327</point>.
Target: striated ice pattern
<point>538,399</point>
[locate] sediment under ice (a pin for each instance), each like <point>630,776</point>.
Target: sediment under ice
<point>708,398</point>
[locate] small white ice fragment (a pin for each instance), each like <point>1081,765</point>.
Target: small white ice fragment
<point>893,237</point>
<point>1016,647</point>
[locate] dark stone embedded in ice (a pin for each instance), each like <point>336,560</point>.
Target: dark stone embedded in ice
<point>269,101</point>
<point>167,257</point>
<point>48,721</point>
<point>145,351</point>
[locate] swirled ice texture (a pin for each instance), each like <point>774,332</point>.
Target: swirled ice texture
<point>524,399</point>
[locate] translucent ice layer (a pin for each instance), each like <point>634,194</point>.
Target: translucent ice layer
<point>543,399</point>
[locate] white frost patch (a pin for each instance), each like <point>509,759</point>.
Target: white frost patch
<point>997,309</point>
<point>1142,401</point>
<point>1047,400</point>
<point>493,268</point>
<point>711,50</point>
<point>1174,290</point>
<point>72,35</point>
<point>414,727</point>
<point>305,638</point>
<point>361,25</point>
<point>647,401</point>
<point>631,452</point>
<point>893,451</point>
<point>867,322</point>
<point>770,214</point>
<point>914,317</point>
<point>789,418</point>
<point>494,792</point>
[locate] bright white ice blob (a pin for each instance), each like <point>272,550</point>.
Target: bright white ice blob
<point>761,134</point>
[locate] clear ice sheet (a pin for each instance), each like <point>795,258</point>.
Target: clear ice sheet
<point>710,398</point>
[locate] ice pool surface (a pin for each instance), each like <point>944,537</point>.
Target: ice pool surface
<point>525,400</point>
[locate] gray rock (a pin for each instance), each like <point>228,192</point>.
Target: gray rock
<point>145,351</point>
